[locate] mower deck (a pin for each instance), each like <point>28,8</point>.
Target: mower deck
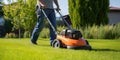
<point>68,43</point>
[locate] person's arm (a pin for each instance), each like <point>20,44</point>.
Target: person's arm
<point>56,3</point>
<point>41,4</point>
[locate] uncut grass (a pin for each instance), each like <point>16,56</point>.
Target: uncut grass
<point>22,49</point>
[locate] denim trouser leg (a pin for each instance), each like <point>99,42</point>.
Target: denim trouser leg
<point>52,18</point>
<point>51,15</point>
<point>40,24</point>
<point>38,27</point>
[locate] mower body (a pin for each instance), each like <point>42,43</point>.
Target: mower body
<point>71,39</point>
<point>73,43</point>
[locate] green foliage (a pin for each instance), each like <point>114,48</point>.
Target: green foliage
<point>22,49</point>
<point>74,10</point>
<point>26,34</point>
<point>102,32</point>
<point>22,14</point>
<point>117,31</point>
<point>88,12</point>
<point>44,33</point>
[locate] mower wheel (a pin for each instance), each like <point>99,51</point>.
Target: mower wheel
<point>86,42</point>
<point>88,47</point>
<point>57,43</point>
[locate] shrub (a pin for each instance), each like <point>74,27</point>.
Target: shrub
<point>117,31</point>
<point>108,32</point>
<point>60,28</point>
<point>90,32</point>
<point>102,32</point>
<point>44,33</point>
<point>10,35</point>
<point>27,34</point>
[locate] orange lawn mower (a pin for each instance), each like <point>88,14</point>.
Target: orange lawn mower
<point>68,38</point>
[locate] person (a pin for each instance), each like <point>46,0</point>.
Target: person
<point>47,6</point>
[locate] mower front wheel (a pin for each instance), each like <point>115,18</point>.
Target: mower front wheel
<point>57,43</point>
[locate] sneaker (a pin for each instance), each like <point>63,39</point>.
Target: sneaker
<point>34,43</point>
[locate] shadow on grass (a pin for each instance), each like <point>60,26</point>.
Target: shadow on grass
<point>44,45</point>
<point>106,50</point>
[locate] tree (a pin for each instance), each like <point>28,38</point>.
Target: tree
<point>22,14</point>
<point>88,12</point>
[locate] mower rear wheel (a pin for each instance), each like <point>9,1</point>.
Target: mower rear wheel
<point>57,43</point>
<point>86,42</point>
<point>88,47</point>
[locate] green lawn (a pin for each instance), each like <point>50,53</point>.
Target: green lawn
<point>22,49</point>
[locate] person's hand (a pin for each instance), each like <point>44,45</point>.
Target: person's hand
<point>43,6</point>
<point>58,9</point>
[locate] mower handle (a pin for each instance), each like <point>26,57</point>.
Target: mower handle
<point>69,27</point>
<point>64,20</point>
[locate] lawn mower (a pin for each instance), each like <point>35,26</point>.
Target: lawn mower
<point>68,38</point>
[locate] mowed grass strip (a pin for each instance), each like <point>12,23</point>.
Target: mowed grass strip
<point>22,49</point>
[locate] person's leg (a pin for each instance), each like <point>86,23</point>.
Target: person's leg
<point>52,18</point>
<point>38,28</point>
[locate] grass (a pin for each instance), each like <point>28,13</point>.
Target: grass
<point>22,49</point>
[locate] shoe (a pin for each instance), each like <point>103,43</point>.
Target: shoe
<point>51,43</point>
<point>34,43</point>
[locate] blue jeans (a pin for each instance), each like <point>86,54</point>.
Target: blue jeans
<point>40,24</point>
